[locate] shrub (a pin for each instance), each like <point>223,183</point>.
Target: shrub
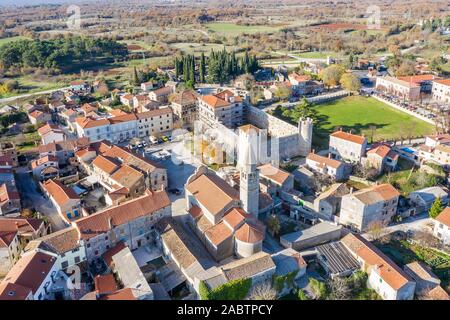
<point>233,290</point>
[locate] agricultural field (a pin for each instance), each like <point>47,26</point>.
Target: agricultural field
<point>360,114</point>
<point>403,252</point>
<point>232,29</point>
<point>198,48</point>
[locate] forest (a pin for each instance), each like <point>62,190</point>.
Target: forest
<point>58,53</point>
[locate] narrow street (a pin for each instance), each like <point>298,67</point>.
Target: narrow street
<point>32,198</point>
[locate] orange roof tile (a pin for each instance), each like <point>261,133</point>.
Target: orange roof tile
<point>333,163</point>
<point>349,137</point>
<point>445,82</point>
<point>234,217</point>
<point>105,164</point>
<point>218,233</point>
<point>273,173</point>
<point>59,192</point>
<point>377,193</point>
<point>372,256</point>
<point>444,217</point>
<point>381,150</point>
<point>249,234</point>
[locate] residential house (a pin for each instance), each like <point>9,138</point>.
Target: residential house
<point>224,108</point>
<point>441,228</point>
<point>185,108</point>
<point>328,203</point>
<point>347,146</point>
<point>304,85</point>
<point>65,200</point>
<point>65,243</point>
<point>402,89</point>
<point>80,87</point>
<point>161,95</point>
<point>318,234</point>
<point>425,279</point>
<point>130,222</point>
<point>147,86</point>
<point>8,153</point>
<point>154,122</point>
<point>326,165</point>
<point>51,133</point>
<point>15,233</point>
<point>424,81</point>
<point>127,99</point>
<point>37,117</point>
<point>423,199</point>
<point>376,204</point>
<point>288,261</point>
<point>9,200</point>
<point>39,165</point>
<point>441,90</point>
<point>385,277</point>
<point>382,157</point>
<point>31,278</point>
<point>63,150</point>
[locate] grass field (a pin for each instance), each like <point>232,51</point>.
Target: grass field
<point>232,29</point>
<point>198,48</point>
<point>7,40</point>
<point>359,114</point>
<point>315,55</point>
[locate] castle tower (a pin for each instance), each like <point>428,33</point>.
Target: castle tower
<point>305,130</point>
<point>249,177</point>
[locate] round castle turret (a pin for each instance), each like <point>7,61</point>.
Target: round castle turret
<point>305,130</point>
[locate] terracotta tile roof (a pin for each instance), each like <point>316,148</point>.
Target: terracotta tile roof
<point>324,161</point>
<point>12,291</point>
<point>277,175</point>
<point>207,184</point>
<point>6,194</point>
<point>445,82</point>
<point>105,164</point>
<point>443,148</point>
<point>195,212</point>
<point>21,225</point>
<point>227,93</point>
<point>400,82</point>
<point>249,128</point>
<point>59,192</point>
<point>126,176</point>
<point>438,293</point>
<point>214,101</point>
<point>153,113</point>
<point>49,127</point>
<point>108,255</point>
<point>372,256</point>
<point>35,114</point>
<point>177,242</point>
<point>117,112</point>
<point>38,162</point>
<point>31,270</point>
<point>6,237</point>
<point>417,79</point>
<point>380,150</point>
<point>234,217</point>
<point>218,233</point>
<point>248,233</point>
<point>87,123</point>
<point>58,242</point>
<point>99,222</point>
<point>349,137</point>
<point>123,118</point>
<point>105,284</point>
<point>300,78</point>
<point>128,96</point>
<point>130,158</point>
<point>444,217</point>
<point>163,91</point>
<point>377,193</point>
<point>122,294</point>
<point>248,267</point>
<point>66,145</point>
<point>186,97</point>
<point>441,138</point>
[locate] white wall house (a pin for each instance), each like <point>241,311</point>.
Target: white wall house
<point>347,146</point>
<point>441,90</point>
<point>441,228</point>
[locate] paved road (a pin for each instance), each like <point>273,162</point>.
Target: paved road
<point>10,99</point>
<point>420,222</point>
<point>32,198</point>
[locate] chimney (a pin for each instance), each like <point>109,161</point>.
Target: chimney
<point>226,97</point>
<point>329,156</point>
<point>313,151</point>
<point>110,225</point>
<point>17,225</point>
<point>351,190</point>
<point>340,128</point>
<point>350,131</point>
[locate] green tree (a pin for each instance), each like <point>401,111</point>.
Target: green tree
<point>204,291</point>
<point>331,75</point>
<point>282,92</point>
<point>301,111</point>
<point>350,82</point>
<point>136,81</point>
<point>202,68</point>
<point>301,295</point>
<point>318,288</point>
<point>436,208</point>
<point>273,224</point>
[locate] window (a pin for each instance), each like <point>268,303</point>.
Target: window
<point>64,264</point>
<point>77,259</point>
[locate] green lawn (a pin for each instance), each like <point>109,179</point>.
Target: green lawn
<point>359,114</point>
<point>315,55</point>
<point>198,48</point>
<point>232,29</point>
<point>10,39</point>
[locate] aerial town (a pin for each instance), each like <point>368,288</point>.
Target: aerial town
<point>224,172</point>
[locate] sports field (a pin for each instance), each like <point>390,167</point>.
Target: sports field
<point>363,115</point>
